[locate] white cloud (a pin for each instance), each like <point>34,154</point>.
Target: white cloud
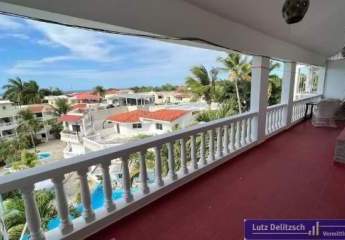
<point>81,43</point>
<point>9,23</point>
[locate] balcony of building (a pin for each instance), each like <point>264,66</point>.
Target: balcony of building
<point>264,163</point>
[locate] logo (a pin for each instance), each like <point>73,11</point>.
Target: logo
<point>294,229</point>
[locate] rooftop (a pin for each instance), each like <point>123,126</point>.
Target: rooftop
<point>135,116</point>
<point>38,108</point>
<point>256,184</point>
<point>69,118</point>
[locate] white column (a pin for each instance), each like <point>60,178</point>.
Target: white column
<point>288,92</point>
<point>88,213</point>
<point>158,166</point>
<point>193,152</point>
<point>31,213</point>
<point>108,192</point>
<point>171,161</point>
<point>126,180</point>
<point>203,158</point>
<point>61,204</point>
<point>258,95</point>
<point>219,152</point>
<point>211,146</point>
<point>226,140</point>
<point>184,169</point>
<point>232,137</point>
<point>143,173</point>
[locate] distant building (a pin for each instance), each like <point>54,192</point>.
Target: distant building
<point>171,97</point>
<point>85,97</point>
<point>130,99</point>
<point>8,116</point>
<point>44,113</point>
<point>150,122</point>
<point>51,100</point>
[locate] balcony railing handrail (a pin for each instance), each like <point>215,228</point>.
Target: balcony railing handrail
<point>307,98</point>
<point>279,105</point>
<point>55,169</point>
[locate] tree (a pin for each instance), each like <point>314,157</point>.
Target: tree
<point>274,84</point>
<point>62,106</point>
<point>14,90</point>
<point>225,110</point>
<point>99,90</point>
<point>10,150</point>
<point>28,160</point>
<point>29,125</point>
<point>239,69</point>
<point>201,83</point>
<point>31,92</point>
<point>43,92</point>
<point>14,211</point>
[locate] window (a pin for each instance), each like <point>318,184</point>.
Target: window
<point>3,107</point>
<point>159,126</point>
<point>76,128</point>
<point>308,80</point>
<point>137,125</point>
<point>39,114</point>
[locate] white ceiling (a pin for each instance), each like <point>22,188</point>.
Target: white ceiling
<point>322,30</point>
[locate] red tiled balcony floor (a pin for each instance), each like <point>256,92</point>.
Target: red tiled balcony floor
<point>291,175</point>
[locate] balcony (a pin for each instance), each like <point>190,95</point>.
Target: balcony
<point>68,136</point>
<point>257,178</point>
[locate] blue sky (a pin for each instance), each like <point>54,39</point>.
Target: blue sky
<point>71,59</point>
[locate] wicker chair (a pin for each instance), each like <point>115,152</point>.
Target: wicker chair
<point>324,113</point>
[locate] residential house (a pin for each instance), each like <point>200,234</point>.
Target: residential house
<point>46,114</point>
<point>150,122</point>
<point>8,116</point>
<point>51,100</point>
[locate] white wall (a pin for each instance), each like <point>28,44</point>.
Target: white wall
<point>335,80</point>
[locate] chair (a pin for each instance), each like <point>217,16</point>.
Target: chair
<point>324,113</point>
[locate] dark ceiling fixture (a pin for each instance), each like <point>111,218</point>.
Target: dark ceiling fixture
<point>294,10</point>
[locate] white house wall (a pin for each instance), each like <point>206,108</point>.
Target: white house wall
<point>335,80</point>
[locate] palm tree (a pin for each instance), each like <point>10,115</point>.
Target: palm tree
<point>31,92</point>
<point>239,69</point>
<point>29,125</point>
<point>201,83</point>
<point>226,109</point>
<point>99,90</point>
<point>14,211</point>
<point>14,90</point>
<point>62,106</point>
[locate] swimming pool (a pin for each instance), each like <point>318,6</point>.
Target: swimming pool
<point>97,200</point>
<point>44,155</point>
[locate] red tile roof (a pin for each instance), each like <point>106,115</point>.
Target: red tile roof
<point>38,108</point>
<point>86,96</point>
<point>134,116</point>
<point>79,106</point>
<point>69,118</point>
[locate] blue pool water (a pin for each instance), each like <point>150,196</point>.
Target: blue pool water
<point>97,199</point>
<point>43,155</point>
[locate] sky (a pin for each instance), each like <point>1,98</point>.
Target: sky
<point>76,59</point>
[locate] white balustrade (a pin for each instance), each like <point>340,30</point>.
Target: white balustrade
<point>224,137</point>
<point>88,213</point>
<point>62,207</point>
<point>143,173</point>
<point>274,118</point>
<point>158,166</point>
<point>108,200</point>
<point>299,107</point>
<point>203,158</point>
<point>193,152</point>
<point>31,213</point>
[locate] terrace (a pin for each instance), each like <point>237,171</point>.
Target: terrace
<point>279,168</point>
